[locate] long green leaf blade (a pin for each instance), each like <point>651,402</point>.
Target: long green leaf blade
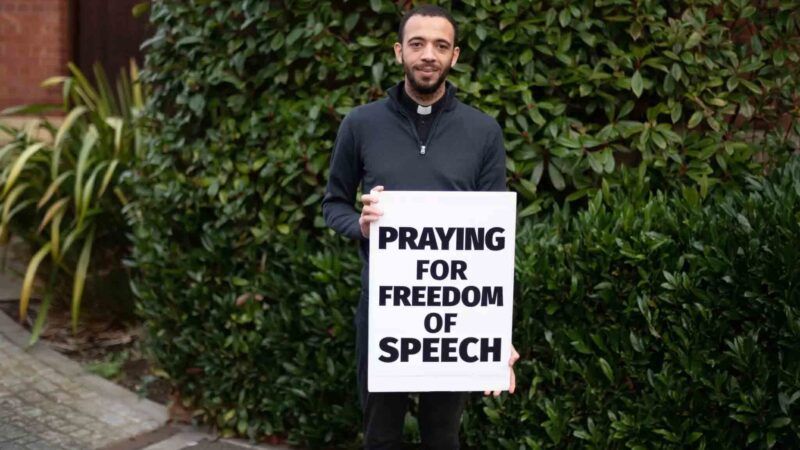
<point>71,237</point>
<point>8,203</point>
<point>86,196</point>
<point>138,97</point>
<point>7,149</point>
<point>19,165</point>
<point>27,282</point>
<point>89,139</point>
<point>80,279</point>
<point>107,104</point>
<point>84,88</point>
<point>44,308</point>
<point>51,190</point>
<point>66,125</point>
<point>55,235</point>
<point>107,177</point>
<point>51,212</point>
<point>116,123</point>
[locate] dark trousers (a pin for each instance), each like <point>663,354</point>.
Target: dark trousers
<point>384,412</point>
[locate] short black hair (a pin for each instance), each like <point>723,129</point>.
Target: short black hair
<point>428,11</point>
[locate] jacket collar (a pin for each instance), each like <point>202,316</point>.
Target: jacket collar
<point>396,91</point>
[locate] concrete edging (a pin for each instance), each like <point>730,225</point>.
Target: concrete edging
<point>60,363</point>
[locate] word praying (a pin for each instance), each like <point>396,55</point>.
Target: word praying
<point>439,238</point>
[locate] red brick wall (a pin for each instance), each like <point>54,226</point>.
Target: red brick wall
<point>34,45</point>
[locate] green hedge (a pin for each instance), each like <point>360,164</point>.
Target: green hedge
<point>701,92</point>
<point>657,323</point>
<point>644,321</point>
<point>247,97</point>
<point>267,352</point>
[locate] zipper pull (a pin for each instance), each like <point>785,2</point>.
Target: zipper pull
<point>422,150</point>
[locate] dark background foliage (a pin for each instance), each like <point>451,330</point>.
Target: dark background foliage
<point>249,299</point>
<point>657,322</point>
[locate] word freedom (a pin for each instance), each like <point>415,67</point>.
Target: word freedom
<point>438,238</point>
<point>440,296</point>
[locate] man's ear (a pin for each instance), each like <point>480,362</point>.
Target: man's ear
<point>398,52</point>
<point>454,60</point>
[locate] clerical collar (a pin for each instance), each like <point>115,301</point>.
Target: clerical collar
<point>416,109</point>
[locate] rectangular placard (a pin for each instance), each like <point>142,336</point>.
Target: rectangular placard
<point>441,283</point>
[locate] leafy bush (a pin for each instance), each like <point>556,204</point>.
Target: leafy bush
<point>701,93</point>
<point>247,97</point>
<point>646,320</point>
<point>268,351</point>
<point>62,194</point>
<point>657,323</point>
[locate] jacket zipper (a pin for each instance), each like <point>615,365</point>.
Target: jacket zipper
<point>423,147</point>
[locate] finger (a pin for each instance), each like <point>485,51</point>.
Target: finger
<point>513,385</point>
<point>371,209</point>
<point>487,392</point>
<point>368,219</point>
<point>369,199</point>
<point>372,197</point>
<point>514,357</point>
<point>496,393</point>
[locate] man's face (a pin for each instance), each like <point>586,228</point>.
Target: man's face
<point>427,52</point>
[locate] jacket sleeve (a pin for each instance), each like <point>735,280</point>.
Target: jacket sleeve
<point>493,172</point>
<point>345,176</point>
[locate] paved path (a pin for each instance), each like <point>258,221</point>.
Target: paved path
<point>48,402</point>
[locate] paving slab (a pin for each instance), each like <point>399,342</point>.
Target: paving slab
<point>48,401</point>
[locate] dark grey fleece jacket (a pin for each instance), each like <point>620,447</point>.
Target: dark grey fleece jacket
<point>377,144</point>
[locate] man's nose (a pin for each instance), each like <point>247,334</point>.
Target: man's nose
<point>428,54</point>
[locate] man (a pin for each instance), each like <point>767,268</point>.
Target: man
<point>420,137</point>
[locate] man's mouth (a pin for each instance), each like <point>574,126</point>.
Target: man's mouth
<point>427,70</point>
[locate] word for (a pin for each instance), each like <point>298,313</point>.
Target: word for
<point>440,269</point>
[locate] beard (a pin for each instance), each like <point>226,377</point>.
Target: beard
<point>420,86</point>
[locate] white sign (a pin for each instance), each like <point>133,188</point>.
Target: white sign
<point>441,284</point>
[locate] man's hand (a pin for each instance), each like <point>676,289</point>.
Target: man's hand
<point>369,212</point>
<point>513,381</point>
